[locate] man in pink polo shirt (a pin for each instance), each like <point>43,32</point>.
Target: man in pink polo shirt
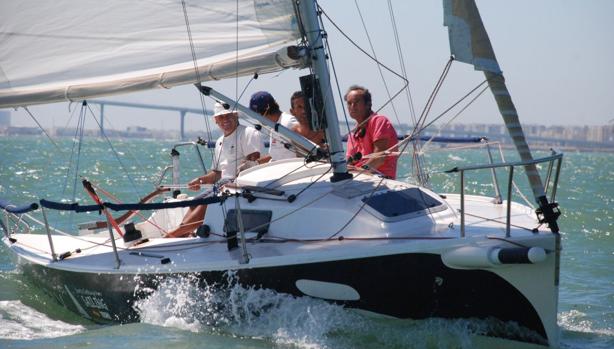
<point>373,134</point>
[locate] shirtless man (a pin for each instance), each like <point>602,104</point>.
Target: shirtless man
<point>297,108</point>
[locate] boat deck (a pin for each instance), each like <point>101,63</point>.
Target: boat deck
<point>189,254</point>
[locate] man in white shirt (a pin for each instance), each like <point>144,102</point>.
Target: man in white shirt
<point>264,104</point>
<point>237,149</point>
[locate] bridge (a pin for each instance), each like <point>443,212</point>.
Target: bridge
<point>181,110</point>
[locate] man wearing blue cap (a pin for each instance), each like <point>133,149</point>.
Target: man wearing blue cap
<point>264,104</point>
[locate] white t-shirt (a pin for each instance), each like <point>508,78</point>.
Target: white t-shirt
<point>276,147</point>
<point>228,156</point>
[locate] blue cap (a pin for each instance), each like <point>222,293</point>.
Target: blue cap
<point>261,101</point>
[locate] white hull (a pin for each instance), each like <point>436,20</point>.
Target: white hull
<point>304,254</point>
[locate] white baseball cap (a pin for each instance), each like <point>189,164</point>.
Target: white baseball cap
<point>219,109</point>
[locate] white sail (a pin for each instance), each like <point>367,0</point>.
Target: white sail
<point>71,50</point>
<point>469,43</point>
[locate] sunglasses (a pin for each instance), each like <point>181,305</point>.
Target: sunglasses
<point>361,132</point>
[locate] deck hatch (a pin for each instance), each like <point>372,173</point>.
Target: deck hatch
<point>402,202</point>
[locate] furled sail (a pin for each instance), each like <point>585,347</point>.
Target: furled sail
<point>59,50</point>
<point>469,43</point>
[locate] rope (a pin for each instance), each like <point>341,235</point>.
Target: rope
<point>284,176</point>
<point>114,198</point>
<point>359,210</point>
<point>381,73</point>
<point>406,83</point>
<point>497,221</point>
<point>314,182</point>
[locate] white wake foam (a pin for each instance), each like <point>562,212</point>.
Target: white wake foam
<point>18,321</point>
<point>577,321</point>
<point>296,322</point>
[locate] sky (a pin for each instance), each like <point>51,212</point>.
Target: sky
<point>555,55</point>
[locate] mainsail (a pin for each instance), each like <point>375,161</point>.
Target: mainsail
<point>469,43</point>
<point>59,50</point>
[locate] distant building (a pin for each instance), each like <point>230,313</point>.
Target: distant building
<point>24,131</point>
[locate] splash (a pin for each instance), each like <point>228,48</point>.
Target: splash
<point>244,312</point>
<point>296,322</point>
<point>22,322</point>
<point>578,321</point>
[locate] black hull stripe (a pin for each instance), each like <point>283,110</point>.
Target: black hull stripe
<point>416,286</point>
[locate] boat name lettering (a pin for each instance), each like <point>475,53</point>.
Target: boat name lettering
<point>94,302</point>
<point>84,292</point>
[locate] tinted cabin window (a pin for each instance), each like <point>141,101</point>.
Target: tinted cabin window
<point>397,203</point>
<point>253,220</point>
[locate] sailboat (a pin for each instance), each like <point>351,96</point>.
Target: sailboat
<point>309,226</point>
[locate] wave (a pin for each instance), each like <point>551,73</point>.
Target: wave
<point>18,321</point>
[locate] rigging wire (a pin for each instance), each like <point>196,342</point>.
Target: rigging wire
<point>72,114</point>
<point>196,70</point>
<point>332,63</point>
<point>431,99</point>
<point>518,191</point>
<point>417,159</point>
<point>115,153</point>
<point>70,159</point>
<point>417,150</point>
<point>453,118</point>
<point>237,52</point>
<point>397,40</point>
<point>364,26</point>
<point>409,138</point>
<point>44,131</point>
<point>121,139</point>
<point>456,103</point>
<point>406,83</point>
<point>254,77</point>
<point>75,154</point>
<point>49,159</point>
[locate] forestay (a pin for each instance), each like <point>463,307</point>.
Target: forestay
<point>57,50</point>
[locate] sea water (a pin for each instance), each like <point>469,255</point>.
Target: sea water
<point>181,315</point>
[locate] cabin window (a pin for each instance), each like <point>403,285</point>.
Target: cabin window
<point>253,221</point>
<point>399,203</point>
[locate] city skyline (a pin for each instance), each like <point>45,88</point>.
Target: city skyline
<point>575,138</point>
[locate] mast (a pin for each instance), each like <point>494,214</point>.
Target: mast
<point>307,13</point>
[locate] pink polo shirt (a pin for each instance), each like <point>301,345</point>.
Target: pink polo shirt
<point>378,127</point>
